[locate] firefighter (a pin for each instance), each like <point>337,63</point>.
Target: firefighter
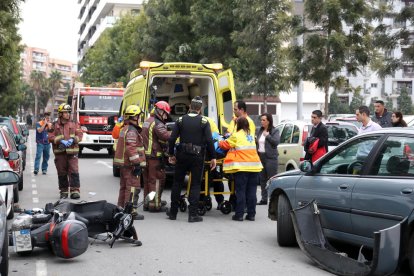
<point>65,136</point>
<point>155,136</point>
<point>195,137</point>
<point>130,157</point>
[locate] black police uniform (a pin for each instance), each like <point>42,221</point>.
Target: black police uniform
<point>195,138</point>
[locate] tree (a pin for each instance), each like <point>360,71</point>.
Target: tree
<point>54,83</point>
<point>357,100</point>
<point>336,36</point>
<point>336,106</point>
<point>405,104</point>
<point>262,44</point>
<point>37,80</point>
<point>9,57</point>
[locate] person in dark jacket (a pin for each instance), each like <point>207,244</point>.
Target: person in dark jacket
<point>382,116</point>
<point>397,119</point>
<point>267,140</point>
<point>195,139</point>
<point>320,132</point>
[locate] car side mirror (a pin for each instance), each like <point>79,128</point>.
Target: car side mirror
<point>306,166</point>
<point>8,178</point>
<point>13,156</point>
<point>22,147</point>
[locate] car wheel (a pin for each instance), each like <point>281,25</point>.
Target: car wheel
<point>116,171</point>
<point>285,230</point>
<point>4,265</point>
<point>21,183</point>
<point>15,195</point>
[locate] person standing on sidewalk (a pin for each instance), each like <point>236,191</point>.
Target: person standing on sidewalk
<point>267,141</point>
<point>42,143</point>
<point>65,138</point>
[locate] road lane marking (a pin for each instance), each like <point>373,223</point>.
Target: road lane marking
<point>104,163</point>
<point>34,192</point>
<point>34,186</point>
<point>35,200</point>
<point>41,269</point>
<point>33,180</point>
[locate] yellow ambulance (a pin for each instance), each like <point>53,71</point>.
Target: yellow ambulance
<point>177,83</point>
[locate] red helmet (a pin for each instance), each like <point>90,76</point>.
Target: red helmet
<point>163,105</point>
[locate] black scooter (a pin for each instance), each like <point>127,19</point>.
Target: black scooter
<point>48,227</point>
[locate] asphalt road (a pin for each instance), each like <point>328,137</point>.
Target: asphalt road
<point>217,246</point>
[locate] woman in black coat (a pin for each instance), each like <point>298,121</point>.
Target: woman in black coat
<point>267,139</point>
<point>397,119</point>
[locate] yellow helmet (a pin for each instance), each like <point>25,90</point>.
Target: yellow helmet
<point>64,108</point>
<point>132,111</point>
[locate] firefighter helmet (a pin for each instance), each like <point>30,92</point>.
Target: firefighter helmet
<point>132,111</point>
<point>64,108</point>
<point>163,105</point>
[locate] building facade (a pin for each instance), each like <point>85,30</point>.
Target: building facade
<point>37,59</point>
<point>97,15</point>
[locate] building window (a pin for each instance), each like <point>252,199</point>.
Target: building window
<point>271,109</point>
<point>374,85</point>
<point>252,109</point>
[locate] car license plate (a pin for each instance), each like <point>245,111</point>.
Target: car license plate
<point>22,240</point>
<point>105,138</point>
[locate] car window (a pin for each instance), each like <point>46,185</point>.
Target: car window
<point>11,142</point>
<point>286,135</point>
<point>296,134</point>
<point>349,159</point>
<point>2,142</point>
<point>396,157</point>
<point>340,133</point>
<point>279,128</point>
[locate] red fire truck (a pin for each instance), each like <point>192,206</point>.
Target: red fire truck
<point>91,108</point>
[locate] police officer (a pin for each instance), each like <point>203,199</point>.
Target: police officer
<point>155,136</point>
<point>130,157</point>
<point>195,138</point>
<point>65,137</point>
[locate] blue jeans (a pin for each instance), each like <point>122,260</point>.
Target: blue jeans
<point>45,150</point>
<point>246,187</point>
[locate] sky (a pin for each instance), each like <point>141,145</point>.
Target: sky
<point>52,25</point>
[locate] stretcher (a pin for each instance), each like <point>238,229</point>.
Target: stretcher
<point>206,204</point>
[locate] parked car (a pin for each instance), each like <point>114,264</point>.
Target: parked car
<point>7,192</point>
<point>339,132</point>
<point>8,146</point>
<point>17,134</point>
<point>6,178</point>
<point>364,185</point>
<point>290,148</point>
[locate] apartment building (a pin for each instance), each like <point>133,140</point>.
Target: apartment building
<point>39,59</point>
<point>97,15</point>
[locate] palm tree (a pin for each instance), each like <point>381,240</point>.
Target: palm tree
<point>54,81</point>
<point>37,80</point>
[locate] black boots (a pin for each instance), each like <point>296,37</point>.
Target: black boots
<point>171,215</point>
<point>195,218</point>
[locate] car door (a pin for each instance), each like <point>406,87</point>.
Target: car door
<point>331,185</point>
<point>284,145</point>
<point>385,195</point>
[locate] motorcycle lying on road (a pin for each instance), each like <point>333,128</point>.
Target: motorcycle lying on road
<point>65,226</point>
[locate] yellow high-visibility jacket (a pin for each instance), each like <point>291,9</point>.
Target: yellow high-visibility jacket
<point>242,155</point>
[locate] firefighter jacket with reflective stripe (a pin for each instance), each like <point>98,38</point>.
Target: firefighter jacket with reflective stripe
<point>130,148</point>
<point>65,131</point>
<point>242,155</point>
<point>155,136</point>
